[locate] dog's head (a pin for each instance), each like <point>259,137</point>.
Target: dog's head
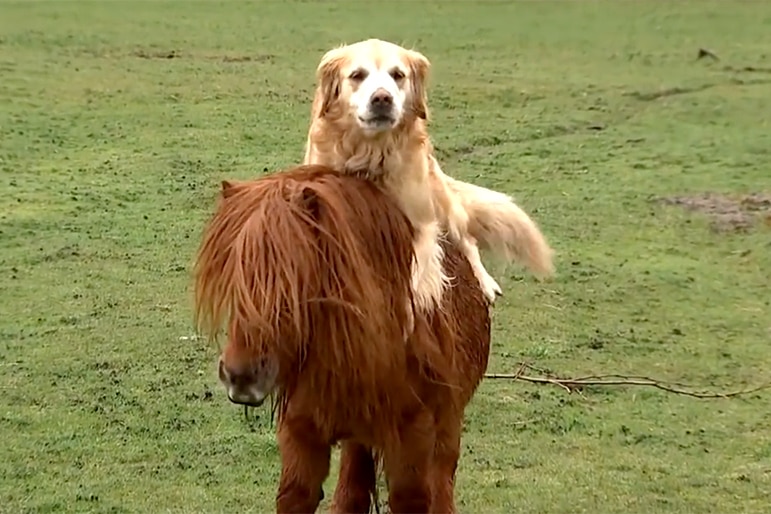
<point>375,84</point>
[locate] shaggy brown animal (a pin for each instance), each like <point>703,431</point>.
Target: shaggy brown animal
<point>358,464</point>
<point>306,268</point>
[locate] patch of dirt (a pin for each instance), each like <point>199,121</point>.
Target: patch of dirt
<point>163,54</point>
<point>176,54</point>
<point>246,58</point>
<point>663,93</point>
<point>728,213</point>
<point>749,69</point>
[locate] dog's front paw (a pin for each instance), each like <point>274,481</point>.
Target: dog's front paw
<point>491,289</point>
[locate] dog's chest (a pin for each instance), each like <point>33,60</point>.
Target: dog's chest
<point>405,181</point>
<point>377,164</point>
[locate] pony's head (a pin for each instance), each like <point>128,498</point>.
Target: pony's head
<point>249,374</point>
<point>309,271</point>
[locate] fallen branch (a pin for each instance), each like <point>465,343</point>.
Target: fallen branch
<point>576,384</point>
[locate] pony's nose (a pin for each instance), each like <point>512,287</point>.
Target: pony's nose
<point>240,383</point>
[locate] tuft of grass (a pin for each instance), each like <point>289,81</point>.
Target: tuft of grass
<point>119,119</point>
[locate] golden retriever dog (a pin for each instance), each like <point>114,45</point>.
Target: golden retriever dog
<point>369,118</point>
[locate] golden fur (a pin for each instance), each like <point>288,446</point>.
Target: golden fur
<point>399,157</point>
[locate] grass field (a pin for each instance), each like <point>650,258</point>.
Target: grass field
<point>118,120</point>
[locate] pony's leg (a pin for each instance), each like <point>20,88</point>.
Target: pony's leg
<point>428,278</point>
<point>304,467</point>
<point>407,466</point>
<point>443,468</point>
<point>356,480</point>
<point>490,287</point>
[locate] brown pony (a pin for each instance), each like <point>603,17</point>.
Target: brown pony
<point>309,270</point>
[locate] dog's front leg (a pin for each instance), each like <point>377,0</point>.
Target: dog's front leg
<point>489,286</point>
<point>428,277</point>
<point>416,200</point>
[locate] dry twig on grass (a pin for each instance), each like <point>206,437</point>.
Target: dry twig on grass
<point>576,384</point>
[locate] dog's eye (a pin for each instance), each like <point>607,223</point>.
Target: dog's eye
<point>397,74</point>
<point>358,75</point>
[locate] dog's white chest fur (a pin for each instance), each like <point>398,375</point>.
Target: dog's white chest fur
<point>369,160</point>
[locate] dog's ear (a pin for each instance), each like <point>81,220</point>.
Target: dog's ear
<point>419,68</point>
<point>329,80</point>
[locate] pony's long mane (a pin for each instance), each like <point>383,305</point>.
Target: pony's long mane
<point>308,267</point>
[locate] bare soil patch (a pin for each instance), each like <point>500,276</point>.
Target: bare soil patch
<point>727,213</point>
<point>177,54</point>
<point>157,54</point>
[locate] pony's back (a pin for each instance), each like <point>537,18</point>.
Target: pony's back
<point>314,267</point>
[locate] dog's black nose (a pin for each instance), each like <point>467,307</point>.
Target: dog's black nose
<point>381,101</point>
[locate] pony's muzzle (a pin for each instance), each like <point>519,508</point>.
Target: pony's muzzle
<point>242,385</point>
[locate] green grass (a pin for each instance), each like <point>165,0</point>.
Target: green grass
<point>110,162</point>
